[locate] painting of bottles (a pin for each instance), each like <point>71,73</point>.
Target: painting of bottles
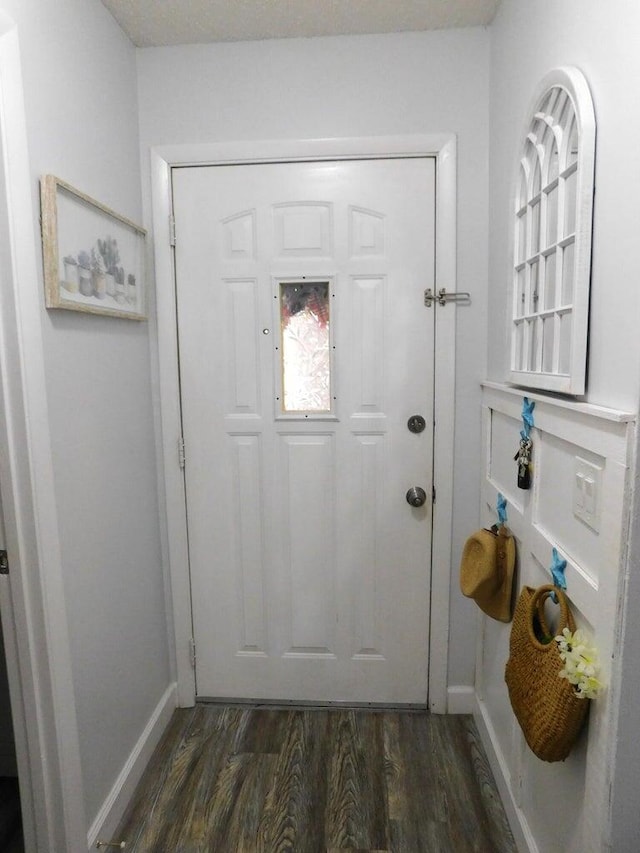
<point>94,258</point>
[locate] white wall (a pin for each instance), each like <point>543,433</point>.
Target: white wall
<point>355,86</point>
<point>81,110</point>
<point>625,815</point>
<point>529,37</point>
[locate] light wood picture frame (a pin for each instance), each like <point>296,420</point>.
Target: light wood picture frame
<point>93,257</point>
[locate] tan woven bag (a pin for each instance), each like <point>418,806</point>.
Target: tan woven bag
<point>549,712</point>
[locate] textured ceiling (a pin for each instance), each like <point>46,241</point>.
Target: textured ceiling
<point>158,22</point>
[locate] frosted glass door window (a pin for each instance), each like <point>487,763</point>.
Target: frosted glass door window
<point>306,347</point>
<point>552,237</point>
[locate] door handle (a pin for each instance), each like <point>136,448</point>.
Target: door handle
<point>416,496</point>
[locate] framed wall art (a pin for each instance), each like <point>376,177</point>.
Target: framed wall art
<point>93,257</point>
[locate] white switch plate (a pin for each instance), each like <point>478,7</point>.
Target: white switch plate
<point>587,483</point>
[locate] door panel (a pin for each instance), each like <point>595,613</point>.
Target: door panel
<point>310,572</point>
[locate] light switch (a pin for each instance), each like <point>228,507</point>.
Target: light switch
<point>590,501</point>
<point>586,491</point>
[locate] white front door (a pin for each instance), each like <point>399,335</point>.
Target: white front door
<point>305,348</point>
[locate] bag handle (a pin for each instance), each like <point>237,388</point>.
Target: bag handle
<point>536,608</point>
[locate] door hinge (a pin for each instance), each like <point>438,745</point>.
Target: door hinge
<point>172,230</point>
<point>433,494</point>
<point>192,652</point>
<point>181,456</point>
<point>4,563</point>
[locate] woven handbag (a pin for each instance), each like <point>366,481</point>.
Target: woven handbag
<point>546,706</point>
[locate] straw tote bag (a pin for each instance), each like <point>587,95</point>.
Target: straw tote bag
<point>547,709</point>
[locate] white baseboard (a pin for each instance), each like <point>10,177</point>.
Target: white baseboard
<point>113,808</point>
<point>461,699</point>
<point>523,836</point>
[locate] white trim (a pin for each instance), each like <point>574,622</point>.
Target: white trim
<point>442,146</point>
<point>38,653</point>
<point>461,699</point>
<point>517,821</point>
<point>112,810</point>
<point>175,498</point>
<point>444,414</point>
<point>614,415</point>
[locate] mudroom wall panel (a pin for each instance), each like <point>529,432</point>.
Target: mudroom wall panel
<point>561,805</point>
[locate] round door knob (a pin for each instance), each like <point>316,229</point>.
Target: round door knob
<point>416,496</point>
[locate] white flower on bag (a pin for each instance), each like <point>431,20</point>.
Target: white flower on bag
<point>581,663</point>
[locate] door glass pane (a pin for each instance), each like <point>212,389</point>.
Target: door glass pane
<point>306,351</point>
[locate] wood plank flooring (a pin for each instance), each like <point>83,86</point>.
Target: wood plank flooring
<point>259,780</point>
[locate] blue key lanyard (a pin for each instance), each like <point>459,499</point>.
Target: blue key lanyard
<point>558,566</point>
<point>527,417</point>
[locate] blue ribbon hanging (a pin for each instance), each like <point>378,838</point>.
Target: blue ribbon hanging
<point>501,509</point>
<point>527,416</point>
<point>558,566</point>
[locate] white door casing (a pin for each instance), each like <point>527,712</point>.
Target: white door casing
<point>443,148</point>
<point>309,570</point>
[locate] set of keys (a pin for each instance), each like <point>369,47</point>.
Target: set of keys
<point>523,458</point>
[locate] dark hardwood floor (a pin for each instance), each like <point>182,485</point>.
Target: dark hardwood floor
<point>240,780</point>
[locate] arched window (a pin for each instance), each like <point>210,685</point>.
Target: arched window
<point>552,237</point>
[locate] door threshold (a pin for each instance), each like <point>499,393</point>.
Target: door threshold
<point>297,705</point>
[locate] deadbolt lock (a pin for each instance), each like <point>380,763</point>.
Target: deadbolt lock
<point>416,423</point>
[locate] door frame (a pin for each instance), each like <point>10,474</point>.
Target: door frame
<point>440,146</point>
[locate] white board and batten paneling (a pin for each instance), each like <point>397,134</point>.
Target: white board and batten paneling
<point>577,504</point>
